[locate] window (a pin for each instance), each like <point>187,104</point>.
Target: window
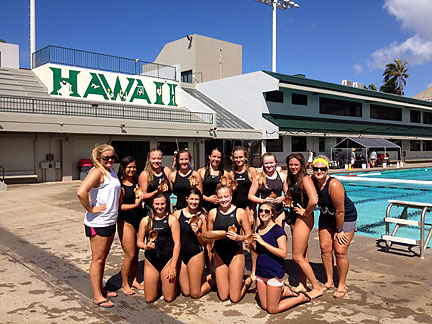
<point>427,145</point>
<point>415,145</point>
<point>427,118</point>
<point>186,76</point>
<point>168,148</point>
<point>274,96</point>
<point>298,144</point>
<point>340,107</point>
<point>384,112</point>
<point>299,99</point>
<point>397,142</point>
<point>415,116</point>
<point>274,145</point>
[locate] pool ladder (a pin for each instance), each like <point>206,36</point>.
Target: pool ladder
<point>403,220</point>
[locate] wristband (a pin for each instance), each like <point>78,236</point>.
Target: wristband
<point>339,230</point>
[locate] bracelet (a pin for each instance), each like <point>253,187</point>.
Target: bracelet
<point>339,230</point>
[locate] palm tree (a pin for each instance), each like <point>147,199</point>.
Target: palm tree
<point>395,76</point>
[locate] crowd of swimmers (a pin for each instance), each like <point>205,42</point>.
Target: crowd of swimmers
<point>200,246</point>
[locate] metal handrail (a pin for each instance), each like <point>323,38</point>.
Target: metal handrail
<point>98,61</point>
<point>101,110</point>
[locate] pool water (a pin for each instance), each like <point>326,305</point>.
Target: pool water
<point>371,201</point>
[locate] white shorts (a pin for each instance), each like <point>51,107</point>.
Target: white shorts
<point>274,282</point>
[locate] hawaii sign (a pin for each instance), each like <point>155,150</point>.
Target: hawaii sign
<point>77,83</point>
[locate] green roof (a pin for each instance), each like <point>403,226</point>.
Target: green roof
<point>335,126</point>
<point>300,80</point>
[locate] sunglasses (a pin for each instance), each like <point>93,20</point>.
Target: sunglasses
<point>106,158</point>
<point>316,169</point>
<point>265,211</point>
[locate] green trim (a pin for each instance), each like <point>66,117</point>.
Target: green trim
<point>302,81</point>
<point>333,126</point>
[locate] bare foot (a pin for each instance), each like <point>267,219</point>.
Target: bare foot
<point>328,285</point>
<point>288,292</point>
<point>340,293</point>
<point>300,288</point>
<point>315,293</point>
<point>128,291</point>
<point>106,293</point>
<point>305,296</point>
<point>137,285</point>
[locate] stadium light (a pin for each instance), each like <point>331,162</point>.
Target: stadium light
<point>277,4</point>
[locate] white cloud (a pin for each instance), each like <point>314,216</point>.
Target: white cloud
<point>414,15</point>
<point>429,86</point>
<point>416,50</point>
<point>357,68</point>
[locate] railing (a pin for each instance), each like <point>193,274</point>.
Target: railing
<point>91,60</point>
<point>2,173</point>
<point>100,110</point>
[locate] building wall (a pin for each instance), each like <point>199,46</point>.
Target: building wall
<point>208,58</point>
<point>243,96</point>
<point>9,56</point>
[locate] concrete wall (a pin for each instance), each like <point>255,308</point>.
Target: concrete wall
<point>9,56</point>
<point>208,58</point>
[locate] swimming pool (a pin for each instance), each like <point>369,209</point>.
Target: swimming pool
<point>371,199</point>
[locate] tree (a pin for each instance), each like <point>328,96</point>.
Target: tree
<point>395,75</point>
<point>372,86</point>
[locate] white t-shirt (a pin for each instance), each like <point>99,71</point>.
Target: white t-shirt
<point>108,194</point>
<point>310,157</point>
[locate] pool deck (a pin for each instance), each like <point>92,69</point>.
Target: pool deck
<point>45,258</point>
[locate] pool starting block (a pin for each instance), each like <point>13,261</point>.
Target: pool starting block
<point>403,220</point>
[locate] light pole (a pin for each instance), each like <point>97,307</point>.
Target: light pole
<point>277,4</point>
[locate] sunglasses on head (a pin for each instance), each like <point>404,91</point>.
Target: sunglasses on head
<point>106,158</point>
<point>316,169</point>
<point>265,211</point>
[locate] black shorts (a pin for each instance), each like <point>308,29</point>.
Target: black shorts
<point>101,231</point>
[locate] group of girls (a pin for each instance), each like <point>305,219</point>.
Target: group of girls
<point>200,245</point>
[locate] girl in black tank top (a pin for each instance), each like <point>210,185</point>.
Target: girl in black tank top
<point>192,257</point>
<point>228,250</point>
<point>151,177</point>
<point>181,178</point>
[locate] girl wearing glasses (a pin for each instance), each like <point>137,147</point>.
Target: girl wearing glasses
<point>101,217</point>
<point>159,236</point>
<point>191,222</point>
<point>130,215</point>
<point>337,223</point>
<point>153,174</point>
<point>267,187</point>
<point>229,260</point>
<point>180,178</point>
<point>301,198</point>
<point>271,246</point>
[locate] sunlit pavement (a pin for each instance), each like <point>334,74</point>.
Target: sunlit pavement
<point>45,258</point>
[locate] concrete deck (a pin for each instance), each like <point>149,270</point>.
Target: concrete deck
<point>45,258</point>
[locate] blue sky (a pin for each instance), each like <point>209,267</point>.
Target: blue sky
<point>325,40</point>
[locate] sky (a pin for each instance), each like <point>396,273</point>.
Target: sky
<point>325,40</point>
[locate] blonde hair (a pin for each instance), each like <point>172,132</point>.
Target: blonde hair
<point>148,167</point>
<point>262,176</point>
<point>97,155</point>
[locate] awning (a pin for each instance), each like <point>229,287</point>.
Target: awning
<point>335,126</point>
<point>366,146</point>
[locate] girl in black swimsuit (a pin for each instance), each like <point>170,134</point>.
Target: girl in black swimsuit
<point>151,177</point>
<point>192,250</point>
<point>300,190</point>
<point>268,183</point>
<point>130,215</point>
<point>180,179</point>
<point>229,260</point>
<point>211,175</point>
<point>161,254</point>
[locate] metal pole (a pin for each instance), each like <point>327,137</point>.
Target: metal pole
<point>274,38</point>
<point>32,31</point>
